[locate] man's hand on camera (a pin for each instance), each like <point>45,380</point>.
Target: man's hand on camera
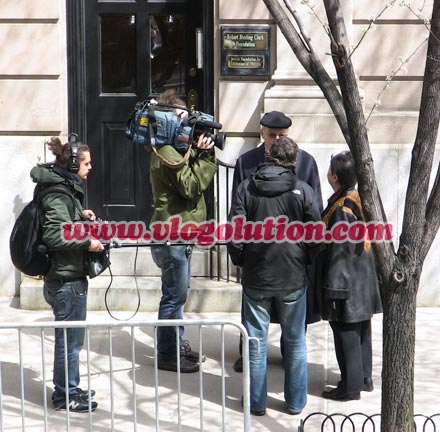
<point>95,246</point>
<point>205,145</point>
<point>204,142</point>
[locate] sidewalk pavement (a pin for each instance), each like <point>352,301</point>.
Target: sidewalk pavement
<point>323,371</point>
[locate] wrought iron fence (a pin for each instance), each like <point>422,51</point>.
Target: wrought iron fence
<point>220,265</point>
<point>360,422</point>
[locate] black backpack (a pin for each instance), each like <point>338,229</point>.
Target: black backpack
<point>28,252</point>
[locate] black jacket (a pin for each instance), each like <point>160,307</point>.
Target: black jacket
<point>271,192</point>
<point>306,170</point>
<point>347,280</point>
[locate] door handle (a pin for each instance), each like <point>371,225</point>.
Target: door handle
<point>199,48</point>
<point>193,99</point>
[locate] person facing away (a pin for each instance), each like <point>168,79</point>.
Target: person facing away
<point>267,267</point>
<point>275,125</point>
<point>66,284</point>
<point>178,191</point>
<point>348,285</point>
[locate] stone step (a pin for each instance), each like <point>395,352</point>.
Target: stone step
<point>130,261</point>
<point>125,292</point>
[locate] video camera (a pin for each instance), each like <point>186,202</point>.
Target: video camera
<point>155,124</point>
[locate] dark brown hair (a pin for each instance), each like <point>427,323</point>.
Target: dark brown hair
<point>283,152</point>
<point>170,97</point>
<point>62,151</point>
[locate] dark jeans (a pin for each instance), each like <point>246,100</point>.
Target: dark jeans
<point>174,261</point>
<point>353,352</point>
<point>69,303</point>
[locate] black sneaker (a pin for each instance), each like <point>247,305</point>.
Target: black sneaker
<point>76,404</point>
<point>258,412</point>
<point>84,394</point>
<point>186,366</point>
<point>187,352</point>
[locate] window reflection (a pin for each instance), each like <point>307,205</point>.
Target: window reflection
<point>118,53</point>
<point>167,56</point>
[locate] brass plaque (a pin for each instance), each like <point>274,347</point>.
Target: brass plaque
<point>245,50</point>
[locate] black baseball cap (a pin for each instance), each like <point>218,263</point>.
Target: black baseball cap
<point>276,120</point>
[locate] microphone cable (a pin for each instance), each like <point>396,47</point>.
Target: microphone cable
<point>137,290</point>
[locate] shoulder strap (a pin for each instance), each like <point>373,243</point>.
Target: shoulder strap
<point>58,188</point>
<point>173,165</point>
<point>165,161</point>
<point>41,192</point>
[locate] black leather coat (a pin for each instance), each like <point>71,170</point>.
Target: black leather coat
<point>347,280</point>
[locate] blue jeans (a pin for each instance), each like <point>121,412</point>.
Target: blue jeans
<point>174,261</point>
<point>291,308</point>
<point>69,303</point>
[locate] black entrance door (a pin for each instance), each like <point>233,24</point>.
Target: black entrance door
<point>135,49</point>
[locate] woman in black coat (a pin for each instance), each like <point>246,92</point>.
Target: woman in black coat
<point>348,285</point>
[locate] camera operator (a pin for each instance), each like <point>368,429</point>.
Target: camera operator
<point>178,191</point>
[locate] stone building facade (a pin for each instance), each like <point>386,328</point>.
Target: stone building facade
<point>36,77</point>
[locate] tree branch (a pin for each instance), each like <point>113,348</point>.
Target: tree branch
<point>305,38</point>
<point>417,209</point>
<point>300,24</point>
<point>311,64</point>
<point>388,5</point>
<point>358,144</point>
<point>391,76</point>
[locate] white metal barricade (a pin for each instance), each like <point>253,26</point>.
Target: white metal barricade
<point>119,360</point>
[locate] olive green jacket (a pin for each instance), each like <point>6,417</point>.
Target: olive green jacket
<point>68,259</point>
<point>179,191</point>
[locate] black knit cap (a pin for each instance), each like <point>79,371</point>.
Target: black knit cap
<point>276,120</point>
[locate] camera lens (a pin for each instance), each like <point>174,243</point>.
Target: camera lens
<point>219,140</point>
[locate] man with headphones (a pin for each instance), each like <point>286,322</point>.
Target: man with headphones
<point>66,284</point>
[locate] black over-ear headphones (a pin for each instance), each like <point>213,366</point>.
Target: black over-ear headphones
<point>73,163</point>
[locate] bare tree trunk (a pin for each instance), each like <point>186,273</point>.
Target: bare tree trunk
<point>420,225</point>
<point>311,63</point>
<point>359,144</point>
<point>420,213</point>
<point>398,355</point>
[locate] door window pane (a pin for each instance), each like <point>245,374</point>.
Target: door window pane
<point>167,54</point>
<point>118,53</point>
